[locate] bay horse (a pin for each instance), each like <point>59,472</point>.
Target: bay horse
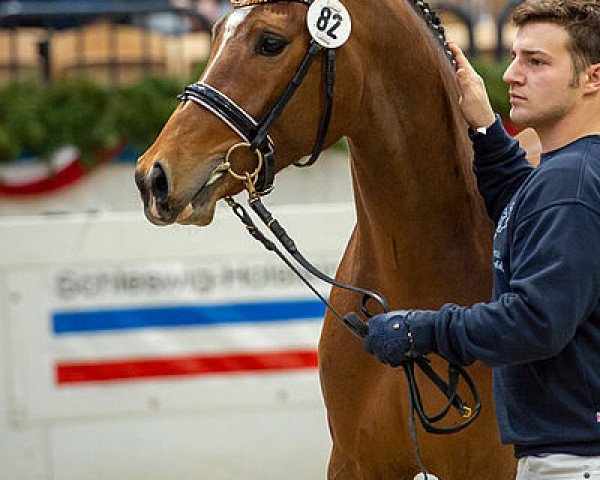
<point>422,236</point>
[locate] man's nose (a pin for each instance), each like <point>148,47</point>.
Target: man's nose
<point>512,74</point>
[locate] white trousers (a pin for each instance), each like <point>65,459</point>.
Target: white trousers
<point>559,467</point>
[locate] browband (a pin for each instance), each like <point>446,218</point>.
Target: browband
<point>247,3</point>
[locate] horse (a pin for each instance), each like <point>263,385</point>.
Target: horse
<point>422,237</point>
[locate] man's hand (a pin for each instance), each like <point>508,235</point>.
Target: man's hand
<point>474,101</point>
<point>389,338</point>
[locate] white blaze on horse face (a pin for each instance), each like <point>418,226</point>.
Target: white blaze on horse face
<point>229,30</point>
<point>234,20</point>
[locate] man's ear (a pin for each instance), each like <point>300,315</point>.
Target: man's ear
<point>592,84</point>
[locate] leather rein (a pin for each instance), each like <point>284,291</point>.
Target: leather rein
<point>255,136</point>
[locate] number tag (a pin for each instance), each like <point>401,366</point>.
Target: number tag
<point>329,23</point>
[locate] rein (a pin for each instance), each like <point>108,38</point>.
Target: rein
<point>255,136</point>
<point>357,326</point>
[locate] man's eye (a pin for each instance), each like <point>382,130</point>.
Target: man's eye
<point>536,62</point>
<point>269,45</point>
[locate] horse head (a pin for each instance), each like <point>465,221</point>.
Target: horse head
<point>256,51</point>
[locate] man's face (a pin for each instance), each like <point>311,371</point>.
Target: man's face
<point>541,76</point>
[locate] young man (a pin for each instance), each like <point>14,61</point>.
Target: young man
<point>541,332</point>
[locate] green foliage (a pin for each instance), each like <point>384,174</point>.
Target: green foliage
<point>21,127</point>
<point>141,110</point>
<point>78,112</point>
<point>497,89</point>
<point>39,118</point>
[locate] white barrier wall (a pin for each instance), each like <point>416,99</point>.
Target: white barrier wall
<point>136,352</point>
<point>110,188</point>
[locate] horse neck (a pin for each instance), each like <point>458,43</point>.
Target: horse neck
<point>419,215</point>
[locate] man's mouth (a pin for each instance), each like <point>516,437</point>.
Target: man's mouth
<point>514,97</point>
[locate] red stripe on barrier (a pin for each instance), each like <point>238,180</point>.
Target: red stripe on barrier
<point>54,181</point>
<point>116,370</point>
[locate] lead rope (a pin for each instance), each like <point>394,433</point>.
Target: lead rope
<point>354,323</point>
<point>253,230</point>
<point>410,374</point>
<point>360,328</point>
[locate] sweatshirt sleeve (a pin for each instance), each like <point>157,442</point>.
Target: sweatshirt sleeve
<point>554,287</point>
<point>500,167</point>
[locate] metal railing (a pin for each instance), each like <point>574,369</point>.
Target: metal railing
<point>469,20</point>
<point>466,18</point>
<point>47,14</point>
<point>501,20</point>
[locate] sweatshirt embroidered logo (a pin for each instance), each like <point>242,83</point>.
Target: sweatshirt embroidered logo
<point>503,222</point>
<point>498,261</point>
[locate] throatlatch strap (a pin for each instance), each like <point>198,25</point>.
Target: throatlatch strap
<point>329,89</point>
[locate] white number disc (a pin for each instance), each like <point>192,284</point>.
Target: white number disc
<point>329,23</point>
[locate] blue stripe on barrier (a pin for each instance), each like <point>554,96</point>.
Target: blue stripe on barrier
<point>67,322</point>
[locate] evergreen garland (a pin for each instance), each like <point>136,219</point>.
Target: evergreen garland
<point>38,118</point>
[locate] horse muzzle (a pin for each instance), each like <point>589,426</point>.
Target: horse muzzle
<point>194,205</point>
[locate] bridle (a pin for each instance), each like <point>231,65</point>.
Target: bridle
<point>255,136</point>
<point>256,133</point>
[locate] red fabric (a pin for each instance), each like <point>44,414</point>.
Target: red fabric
<point>510,127</point>
<point>194,365</point>
<point>69,174</point>
<point>56,180</point>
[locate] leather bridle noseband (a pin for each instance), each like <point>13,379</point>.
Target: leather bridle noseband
<point>255,136</point>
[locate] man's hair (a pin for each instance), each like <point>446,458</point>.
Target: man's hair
<point>581,20</point>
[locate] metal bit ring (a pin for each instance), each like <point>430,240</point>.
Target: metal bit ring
<point>244,177</point>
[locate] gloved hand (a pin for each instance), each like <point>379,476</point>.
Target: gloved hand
<point>389,338</point>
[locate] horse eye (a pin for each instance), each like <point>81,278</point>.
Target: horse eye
<point>269,45</point>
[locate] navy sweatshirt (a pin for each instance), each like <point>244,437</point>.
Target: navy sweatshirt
<point>541,332</point>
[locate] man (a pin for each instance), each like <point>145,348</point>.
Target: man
<point>541,332</point>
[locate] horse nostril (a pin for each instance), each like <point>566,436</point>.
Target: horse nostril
<point>158,183</point>
<point>140,181</point>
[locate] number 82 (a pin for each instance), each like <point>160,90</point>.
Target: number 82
<point>323,22</point>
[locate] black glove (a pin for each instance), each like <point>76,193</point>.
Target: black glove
<point>389,338</point>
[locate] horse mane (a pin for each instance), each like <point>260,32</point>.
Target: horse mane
<point>434,23</point>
